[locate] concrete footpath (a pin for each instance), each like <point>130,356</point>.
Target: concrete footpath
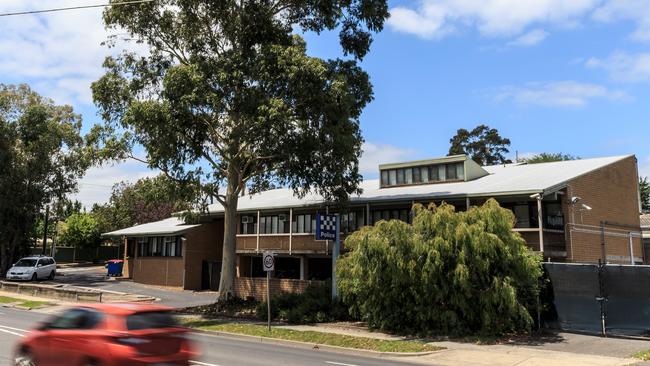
<point>552,349</point>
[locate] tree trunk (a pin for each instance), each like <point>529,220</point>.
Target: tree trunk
<point>229,242</point>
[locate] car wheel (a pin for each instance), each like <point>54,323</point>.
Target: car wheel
<point>90,363</point>
<point>24,359</point>
<point>51,276</point>
<point>34,277</point>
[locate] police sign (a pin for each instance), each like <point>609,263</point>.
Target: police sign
<point>325,227</point>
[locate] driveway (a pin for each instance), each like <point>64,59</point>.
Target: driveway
<point>95,277</point>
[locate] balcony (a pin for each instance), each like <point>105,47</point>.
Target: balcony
<point>281,243</point>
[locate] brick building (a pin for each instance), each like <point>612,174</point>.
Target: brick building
<point>573,211</point>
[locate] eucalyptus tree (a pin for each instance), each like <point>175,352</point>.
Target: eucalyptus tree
<point>42,155</point>
<point>225,94</point>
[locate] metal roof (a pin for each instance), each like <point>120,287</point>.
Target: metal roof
<point>509,179</point>
<point>170,226</point>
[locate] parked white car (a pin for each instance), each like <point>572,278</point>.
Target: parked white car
<point>33,268</point>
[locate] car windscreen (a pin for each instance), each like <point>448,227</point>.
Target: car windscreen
<point>26,263</point>
<point>150,320</point>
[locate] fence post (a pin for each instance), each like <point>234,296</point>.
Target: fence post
<point>601,298</point>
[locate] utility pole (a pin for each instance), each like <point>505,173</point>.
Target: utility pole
<point>47,214</point>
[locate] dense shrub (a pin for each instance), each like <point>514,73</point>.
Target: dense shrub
<point>447,273</point>
<point>313,306</point>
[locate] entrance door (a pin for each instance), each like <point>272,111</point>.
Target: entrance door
<point>210,275</point>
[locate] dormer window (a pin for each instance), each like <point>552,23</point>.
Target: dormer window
<point>443,170</point>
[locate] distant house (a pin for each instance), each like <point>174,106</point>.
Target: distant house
<point>562,209</point>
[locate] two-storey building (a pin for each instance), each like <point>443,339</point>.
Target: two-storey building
<point>562,209</point>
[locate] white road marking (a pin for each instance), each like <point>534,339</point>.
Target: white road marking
<point>202,363</point>
<point>339,363</point>
<point>16,329</point>
<point>10,332</point>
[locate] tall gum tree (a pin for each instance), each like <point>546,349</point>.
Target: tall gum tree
<point>227,95</point>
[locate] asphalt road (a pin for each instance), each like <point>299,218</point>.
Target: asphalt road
<point>217,350</point>
<point>95,277</point>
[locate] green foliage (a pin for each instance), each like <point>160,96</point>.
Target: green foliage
<point>549,157</point>
<point>644,192</point>
<point>483,144</point>
<point>42,155</point>
<point>81,230</point>
<point>227,96</point>
<point>450,273</point>
<point>313,306</point>
<point>147,200</point>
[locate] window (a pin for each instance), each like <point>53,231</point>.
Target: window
<point>442,172</point>
<point>553,216</point>
<point>400,176</point>
<point>250,226</point>
<point>395,214</point>
<point>76,319</point>
<point>392,177</point>
<point>433,173</point>
<point>351,221</point>
<point>303,224</point>
<point>150,320</point>
<point>450,170</point>
<point>277,224</point>
<point>160,246</point>
<point>384,177</point>
<point>424,173</point>
<point>416,175</point>
<point>460,171</point>
<point>408,176</point>
<point>522,215</point>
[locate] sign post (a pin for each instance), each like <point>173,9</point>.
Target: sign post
<point>268,262</point>
<point>328,227</point>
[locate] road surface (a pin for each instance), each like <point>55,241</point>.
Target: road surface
<point>217,350</point>
<point>95,277</point>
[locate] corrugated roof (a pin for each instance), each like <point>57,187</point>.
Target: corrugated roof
<point>170,226</point>
<point>507,179</point>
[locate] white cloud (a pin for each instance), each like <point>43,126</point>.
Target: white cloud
<point>624,67</point>
<point>637,11</point>
<point>505,18</point>
<point>530,38</point>
<point>558,93</point>
<point>96,185</point>
<point>61,50</point>
<point>375,154</point>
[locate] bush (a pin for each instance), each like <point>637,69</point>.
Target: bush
<point>313,306</point>
<point>448,273</point>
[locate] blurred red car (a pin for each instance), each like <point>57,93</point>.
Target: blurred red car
<point>108,335</point>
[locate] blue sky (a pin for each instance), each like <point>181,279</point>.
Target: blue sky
<point>551,75</point>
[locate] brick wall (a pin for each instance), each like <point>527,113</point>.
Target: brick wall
<point>203,243</point>
<point>159,271</point>
<point>612,193</point>
<point>256,287</point>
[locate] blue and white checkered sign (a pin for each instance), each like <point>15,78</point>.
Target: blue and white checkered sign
<point>325,227</point>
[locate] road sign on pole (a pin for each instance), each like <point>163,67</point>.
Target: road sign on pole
<point>328,227</point>
<point>268,262</point>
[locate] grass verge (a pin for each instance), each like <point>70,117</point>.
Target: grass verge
<point>642,355</point>
<point>329,339</point>
<point>24,303</point>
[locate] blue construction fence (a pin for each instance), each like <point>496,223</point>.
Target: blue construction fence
<point>70,255</point>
